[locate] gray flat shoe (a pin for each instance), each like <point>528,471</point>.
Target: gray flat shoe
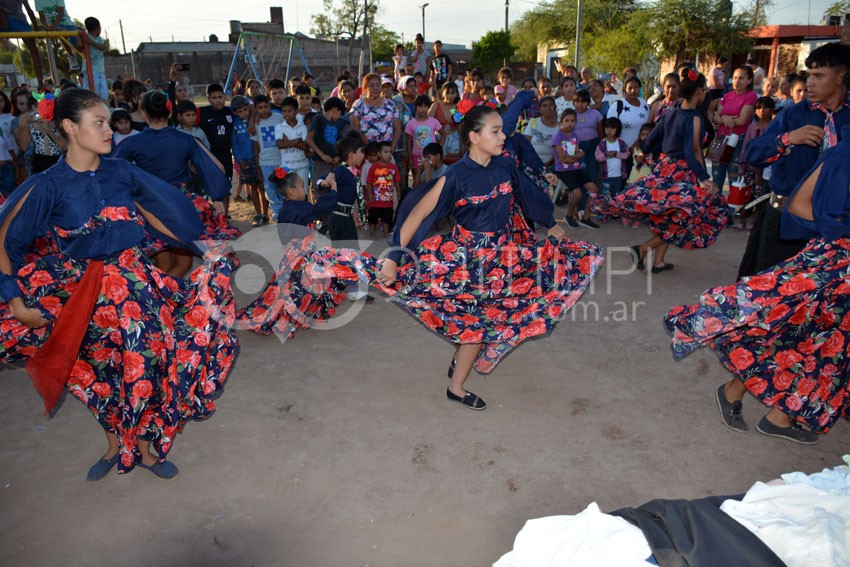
<point>730,412</point>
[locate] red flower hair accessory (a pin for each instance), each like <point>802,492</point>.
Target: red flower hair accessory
<point>463,107</point>
<point>46,104</point>
<point>693,75</point>
<point>494,104</point>
<point>281,172</point>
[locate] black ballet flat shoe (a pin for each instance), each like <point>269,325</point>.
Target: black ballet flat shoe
<point>470,400</point>
<point>640,264</point>
<point>452,368</point>
<point>662,268</point>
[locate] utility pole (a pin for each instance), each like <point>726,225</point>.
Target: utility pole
<point>423,6</point>
<point>578,33</point>
<point>123,45</point>
<point>507,5</point>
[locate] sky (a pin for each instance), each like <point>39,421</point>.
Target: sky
<point>444,20</point>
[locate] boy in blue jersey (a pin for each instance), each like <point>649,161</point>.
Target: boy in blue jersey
<point>243,154</point>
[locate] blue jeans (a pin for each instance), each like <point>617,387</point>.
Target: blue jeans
<point>275,200</point>
<point>720,171</point>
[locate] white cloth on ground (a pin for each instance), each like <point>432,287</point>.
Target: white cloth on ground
<point>590,538</point>
<point>801,524</point>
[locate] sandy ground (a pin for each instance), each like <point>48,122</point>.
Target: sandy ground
<point>339,448</point>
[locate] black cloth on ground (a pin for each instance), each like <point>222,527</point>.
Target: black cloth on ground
<point>697,533</point>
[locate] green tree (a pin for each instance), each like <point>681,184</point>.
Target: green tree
<point>347,18</point>
<point>838,8</point>
<point>492,50</point>
<point>683,29</point>
<point>383,42</point>
<point>554,22</point>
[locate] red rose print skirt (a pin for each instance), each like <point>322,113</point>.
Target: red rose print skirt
<point>784,333</point>
<point>671,201</point>
<point>469,287</point>
<point>157,350</point>
<point>217,227</point>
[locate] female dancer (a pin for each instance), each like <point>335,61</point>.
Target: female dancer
<point>141,349</point>
<point>170,155</point>
<point>477,287</point>
<point>678,199</point>
<point>783,333</point>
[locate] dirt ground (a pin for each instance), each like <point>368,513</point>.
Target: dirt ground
<point>339,448</point>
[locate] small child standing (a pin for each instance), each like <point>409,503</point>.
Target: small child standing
<point>291,137</point>
<point>266,152</point>
<point>613,152</point>
<point>322,136</point>
<point>505,91</point>
<point>371,152</point>
<point>432,164</point>
<point>381,192</point>
<point>421,130</point>
<point>122,127</point>
<point>186,116</point>
<point>568,156</point>
<point>97,48</point>
<point>588,130</point>
<point>642,161</point>
<point>759,179</point>
<point>399,63</point>
<point>243,153</point>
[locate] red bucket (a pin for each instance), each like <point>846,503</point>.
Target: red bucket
<point>739,194</point>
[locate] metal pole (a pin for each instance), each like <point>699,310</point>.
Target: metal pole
<point>123,45</point>
<point>422,7</point>
<point>578,33</point>
<point>507,4</point>
<point>51,59</point>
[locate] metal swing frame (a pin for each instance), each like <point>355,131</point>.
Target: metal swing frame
<point>243,44</point>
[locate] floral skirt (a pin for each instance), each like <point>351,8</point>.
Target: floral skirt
<point>469,287</point>
<point>157,350</point>
<point>671,201</point>
<point>785,333</point>
<point>217,227</point>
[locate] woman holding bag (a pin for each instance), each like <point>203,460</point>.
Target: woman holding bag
<point>732,117</point>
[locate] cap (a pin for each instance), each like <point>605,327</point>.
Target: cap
<point>238,102</point>
<point>386,80</point>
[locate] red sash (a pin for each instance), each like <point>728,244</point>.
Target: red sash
<point>51,366</point>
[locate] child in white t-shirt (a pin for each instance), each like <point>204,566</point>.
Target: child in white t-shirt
<point>400,63</point>
<point>291,137</point>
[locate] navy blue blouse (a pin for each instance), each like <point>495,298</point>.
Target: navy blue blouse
<point>74,206</point>
<point>791,163</point>
<point>830,200</point>
<point>303,213</point>
<point>346,185</point>
<point>167,152</point>
<point>676,133</point>
<point>471,193</point>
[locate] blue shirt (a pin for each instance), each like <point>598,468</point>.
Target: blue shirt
<point>830,200</point>
<point>468,181</point>
<point>167,154</point>
<point>303,213</point>
<point>346,185</point>
<point>791,163</point>
<point>676,132</point>
<point>67,201</point>
<point>243,145</point>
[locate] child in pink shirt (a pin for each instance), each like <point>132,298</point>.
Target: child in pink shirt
<point>421,130</point>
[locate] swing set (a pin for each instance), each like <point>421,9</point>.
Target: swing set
<point>255,60</point>
<point>62,36</point>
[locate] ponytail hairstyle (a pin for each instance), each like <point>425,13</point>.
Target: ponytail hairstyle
<point>691,83</point>
<point>283,178</point>
<point>474,121</point>
<point>71,105</point>
<point>156,105</point>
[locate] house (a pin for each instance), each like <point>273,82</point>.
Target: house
<point>783,49</point>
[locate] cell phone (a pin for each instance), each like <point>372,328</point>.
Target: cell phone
<point>182,66</point>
